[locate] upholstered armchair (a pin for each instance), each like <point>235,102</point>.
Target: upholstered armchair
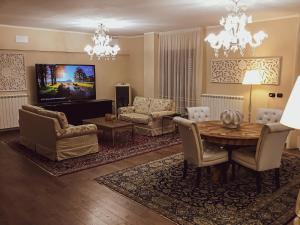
<point>198,114</point>
<point>197,152</point>
<point>48,133</point>
<point>147,114</point>
<point>265,115</point>
<point>266,155</point>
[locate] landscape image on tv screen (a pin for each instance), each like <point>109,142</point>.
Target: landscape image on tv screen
<point>65,82</point>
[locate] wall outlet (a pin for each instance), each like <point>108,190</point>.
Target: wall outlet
<point>272,95</point>
<point>279,95</point>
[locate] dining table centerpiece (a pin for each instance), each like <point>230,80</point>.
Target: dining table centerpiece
<point>231,119</point>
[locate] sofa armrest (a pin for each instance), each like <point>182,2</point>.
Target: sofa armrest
<point>157,115</point>
<point>75,131</point>
<point>127,109</point>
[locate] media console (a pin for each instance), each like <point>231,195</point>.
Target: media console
<point>78,111</point>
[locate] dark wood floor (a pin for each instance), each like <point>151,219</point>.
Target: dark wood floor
<point>30,196</point>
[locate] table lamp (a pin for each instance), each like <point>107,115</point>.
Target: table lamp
<point>252,77</point>
<point>291,118</point>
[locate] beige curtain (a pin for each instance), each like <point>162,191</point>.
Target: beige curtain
<point>178,67</point>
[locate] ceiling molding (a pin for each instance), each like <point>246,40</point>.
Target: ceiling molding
<point>44,29</point>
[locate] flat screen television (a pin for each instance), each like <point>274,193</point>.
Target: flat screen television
<point>65,82</point>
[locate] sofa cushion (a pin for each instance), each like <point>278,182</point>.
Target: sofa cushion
<point>75,131</point>
<point>158,105</point>
<point>31,108</point>
<point>141,105</point>
<point>135,118</point>
<point>61,117</point>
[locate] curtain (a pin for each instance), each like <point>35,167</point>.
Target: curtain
<point>178,67</point>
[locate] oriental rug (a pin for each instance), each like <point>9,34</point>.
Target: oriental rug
<point>158,185</point>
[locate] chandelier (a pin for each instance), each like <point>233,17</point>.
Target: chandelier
<point>101,47</point>
<point>235,36</point>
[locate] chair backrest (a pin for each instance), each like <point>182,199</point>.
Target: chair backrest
<point>270,146</point>
<point>198,114</point>
<point>266,115</point>
<point>161,104</point>
<point>191,140</point>
<point>141,105</point>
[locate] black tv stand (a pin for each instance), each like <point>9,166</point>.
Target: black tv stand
<point>79,110</point>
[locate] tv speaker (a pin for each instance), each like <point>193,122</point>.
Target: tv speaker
<point>122,96</point>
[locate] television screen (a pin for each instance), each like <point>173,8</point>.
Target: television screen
<point>61,82</point>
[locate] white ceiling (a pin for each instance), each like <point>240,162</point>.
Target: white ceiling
<point>132,17</point>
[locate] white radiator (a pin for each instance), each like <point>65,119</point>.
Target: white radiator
<point>219,103</point>
<point>9,109</point>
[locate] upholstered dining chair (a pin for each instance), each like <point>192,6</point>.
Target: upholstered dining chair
<point>268,115</point>
<point>197,152</point>
<point>199,113</point>
<point>266,155</point>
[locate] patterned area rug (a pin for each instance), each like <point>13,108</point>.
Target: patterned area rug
<point>159,186</point>
<point>107,153</point>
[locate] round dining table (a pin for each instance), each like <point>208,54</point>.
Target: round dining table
<point>246,135</point>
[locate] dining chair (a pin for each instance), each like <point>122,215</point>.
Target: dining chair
<point>199,113</point>
<point>268,115</point>
<point>266,155</point>
<point>197,152</point>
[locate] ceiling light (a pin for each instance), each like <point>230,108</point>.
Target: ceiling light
<point>102,48</point>
<point>235,36</point>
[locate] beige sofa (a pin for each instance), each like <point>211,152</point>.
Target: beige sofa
<point>49,134</point>
<point>147,113</point>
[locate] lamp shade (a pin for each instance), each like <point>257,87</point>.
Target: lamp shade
<point>252,77</point>
<point>291,114</point>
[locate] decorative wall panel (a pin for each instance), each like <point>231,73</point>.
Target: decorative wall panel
<point>12,72</point>
<point>232,71</point>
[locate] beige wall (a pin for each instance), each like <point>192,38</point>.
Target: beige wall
<point>282,42</point>
<point>65,47</point>
<point>135,50</point>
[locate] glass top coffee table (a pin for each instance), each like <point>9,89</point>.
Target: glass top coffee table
<point>111,127</point>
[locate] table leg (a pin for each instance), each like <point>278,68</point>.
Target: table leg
<point>132,133</point>
<point>162,126</point>
<point>113,136</point>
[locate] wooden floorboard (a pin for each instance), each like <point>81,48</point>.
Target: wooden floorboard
<point>30,196</point>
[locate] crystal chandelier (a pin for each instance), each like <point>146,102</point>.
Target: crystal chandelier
<point>101,47</point>
<point>235,36</point>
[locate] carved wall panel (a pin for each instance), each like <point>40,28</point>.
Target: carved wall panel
<point>12,72</point>
<point>232,71</point>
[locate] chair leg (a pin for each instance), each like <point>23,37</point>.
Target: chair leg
<point>224,172</point>
<point>185,167</point>
<point>277,178</point>
<point>232,170</point>
<point>258,182</point>
<point>198,175</point>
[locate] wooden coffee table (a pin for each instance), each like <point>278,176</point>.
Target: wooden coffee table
<point>111,127</point>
